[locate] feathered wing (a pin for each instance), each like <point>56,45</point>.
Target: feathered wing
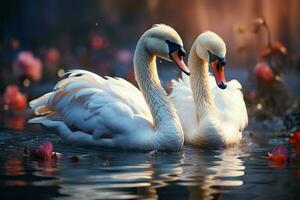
<point>101,108</point>
<point>230,105</point>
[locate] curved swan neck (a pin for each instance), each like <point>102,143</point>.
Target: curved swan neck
<point>200,84</point>
<point>162,109</point>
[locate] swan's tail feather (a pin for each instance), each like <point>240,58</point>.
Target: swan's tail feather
<point>40,101</point>
<point>42,110</point>
<point>45,120</point>
<point>39,120</point>
<point>48,123</point>
<point>75,79</point>
<point>54,116</point>
<point>40,106</point>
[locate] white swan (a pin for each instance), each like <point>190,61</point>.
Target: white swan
<point>111,112</point>
<point>210,116</point>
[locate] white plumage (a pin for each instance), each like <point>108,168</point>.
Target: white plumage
<point>231,115</point>
<point>222,114</point>
<point>87,109</point>
<point>101,108</point>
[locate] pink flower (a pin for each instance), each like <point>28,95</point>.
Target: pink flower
<point>124,56</point>
<point>43,152</point>
<point>98,42</point>
<point>295,141</point>
<point>29,66</point>
<point>263,73</point>
<point>14,98</point>
<point>52,56</point>
<point>278,156</point>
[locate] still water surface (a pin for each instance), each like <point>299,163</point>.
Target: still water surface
<point>239,172</point>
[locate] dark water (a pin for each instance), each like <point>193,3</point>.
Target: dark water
<point>239,172</point>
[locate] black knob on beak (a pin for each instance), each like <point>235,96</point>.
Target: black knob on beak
<point>222,61</point>
<point>182,52</point>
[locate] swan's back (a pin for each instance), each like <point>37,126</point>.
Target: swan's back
<point>95,105</point>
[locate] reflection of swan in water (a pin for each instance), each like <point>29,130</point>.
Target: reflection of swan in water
<point>110,176</point>
<point>193,173</point>
<point>205,175</point>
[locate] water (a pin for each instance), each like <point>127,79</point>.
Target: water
<point>239,172</point>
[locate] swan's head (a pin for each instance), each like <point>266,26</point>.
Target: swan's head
<point>164,42</point>
<point>211,49</point>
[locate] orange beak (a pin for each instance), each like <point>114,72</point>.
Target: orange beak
<point>218,69</point>
<point>177,57</point>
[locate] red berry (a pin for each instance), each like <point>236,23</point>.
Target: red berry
<point>263,73</point>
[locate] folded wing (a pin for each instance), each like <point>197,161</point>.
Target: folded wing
<point>102,107</point>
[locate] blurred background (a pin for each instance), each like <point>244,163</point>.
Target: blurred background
<point>40,40</point>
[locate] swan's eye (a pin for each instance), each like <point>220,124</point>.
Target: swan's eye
<point>181,53</point>
<point>220,62</point>
<point>212,57</point>
<point>174,47</point>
